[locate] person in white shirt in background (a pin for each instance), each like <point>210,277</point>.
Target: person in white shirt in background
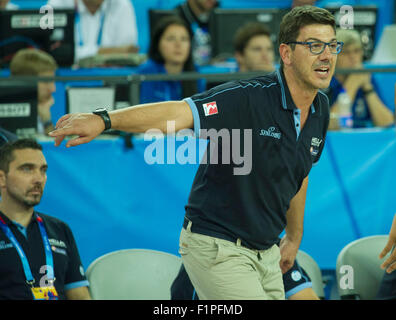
<point>102,26</point>
<point>6,5</point>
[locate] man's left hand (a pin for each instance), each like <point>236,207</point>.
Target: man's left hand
<point>288,251</point>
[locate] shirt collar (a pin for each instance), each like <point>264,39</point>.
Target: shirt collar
<point>5,218</point>
<point>9,222</point>
<point>287,101</point>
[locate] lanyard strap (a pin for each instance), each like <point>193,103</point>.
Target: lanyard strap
<point>78,24</point>
<point>21,253</point>
<point>49,261</point>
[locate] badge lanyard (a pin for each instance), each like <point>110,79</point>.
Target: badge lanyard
<point>25,264</point>
<point>78,24</point>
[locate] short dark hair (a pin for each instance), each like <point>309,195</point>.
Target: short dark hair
<point>7,151</point>
<point>300,17</point>
<point>248,31</point>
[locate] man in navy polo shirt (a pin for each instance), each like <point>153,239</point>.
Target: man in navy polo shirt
<point>238,207</point>
<point>254,51</point>
<point>38,255</point>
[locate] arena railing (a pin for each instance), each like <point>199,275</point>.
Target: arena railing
<point>134,80</point>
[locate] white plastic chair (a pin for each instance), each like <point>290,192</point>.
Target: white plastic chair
<point>312,269</point>
<point>358,268</point>
<point>133,274</point>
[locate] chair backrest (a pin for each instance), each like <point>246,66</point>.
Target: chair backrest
<point>312,269</point>
<point>358,268</point>
<point>133,274</point>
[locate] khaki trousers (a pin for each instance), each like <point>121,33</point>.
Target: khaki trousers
<point>223,270</point>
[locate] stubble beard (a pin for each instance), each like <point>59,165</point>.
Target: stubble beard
<point>24,201</point>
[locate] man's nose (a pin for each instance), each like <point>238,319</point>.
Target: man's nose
<point>38,177</point>
<point>326,54</point>
<point>52,87</point>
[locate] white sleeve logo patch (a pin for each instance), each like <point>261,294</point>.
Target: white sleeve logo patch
<point>210,108</point>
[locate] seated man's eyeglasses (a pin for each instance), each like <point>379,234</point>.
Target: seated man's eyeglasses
<point>317,47</point>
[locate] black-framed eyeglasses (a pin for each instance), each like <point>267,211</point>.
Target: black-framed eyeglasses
<point>317,47</point>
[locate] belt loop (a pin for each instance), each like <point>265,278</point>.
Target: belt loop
<point>238,242</point>
<point>189,226</point>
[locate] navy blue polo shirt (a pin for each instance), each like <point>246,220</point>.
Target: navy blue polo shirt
<point>68,269</point>
<point>252,206</point>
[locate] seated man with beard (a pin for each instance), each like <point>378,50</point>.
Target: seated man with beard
<point>39,259</point>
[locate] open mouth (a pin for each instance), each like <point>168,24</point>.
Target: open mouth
<point>323,71</point>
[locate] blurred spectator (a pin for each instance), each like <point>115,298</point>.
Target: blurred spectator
<point>102,26</point>
<point>254,50</point>
<point>297,3</point>
<point>366,107</point>
<point>7,5</point>
<point>169,53</point>
<point>34,62</point>
<point>196,14</point>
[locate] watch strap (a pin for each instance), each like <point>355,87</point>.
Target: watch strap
<point>105,117</point>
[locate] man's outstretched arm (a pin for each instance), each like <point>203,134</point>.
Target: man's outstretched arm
<point>137,119</point>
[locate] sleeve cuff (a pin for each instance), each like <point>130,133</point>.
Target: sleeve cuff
<point>194,110</point>
<point>297,289</point>
<point>77,284</point>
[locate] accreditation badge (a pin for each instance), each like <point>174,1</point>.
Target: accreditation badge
<point>44,293</point>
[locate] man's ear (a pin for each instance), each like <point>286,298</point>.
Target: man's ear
<point>239,59</point>
<point>285,53</point>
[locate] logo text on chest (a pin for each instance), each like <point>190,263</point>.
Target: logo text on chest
<point>270,133</point>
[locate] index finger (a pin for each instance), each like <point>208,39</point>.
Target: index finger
<point>389,265</point>
<point>61,119</point>
<point>65,131</point>
<point>58,140</point>
<point>387,248</point>
<point>60,132</point>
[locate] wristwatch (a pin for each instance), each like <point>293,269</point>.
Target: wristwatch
<point>102,112</point>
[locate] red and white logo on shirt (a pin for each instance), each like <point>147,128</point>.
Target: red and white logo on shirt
<point>210,108</point>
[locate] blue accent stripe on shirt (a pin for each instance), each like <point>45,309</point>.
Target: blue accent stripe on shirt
<point>237,87</point>
<point>300,287</point>
<point>77,284</point>
<point>325,95</point>
<point>194,110</point>
<point>282,89</point>
<point>297,121</point>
